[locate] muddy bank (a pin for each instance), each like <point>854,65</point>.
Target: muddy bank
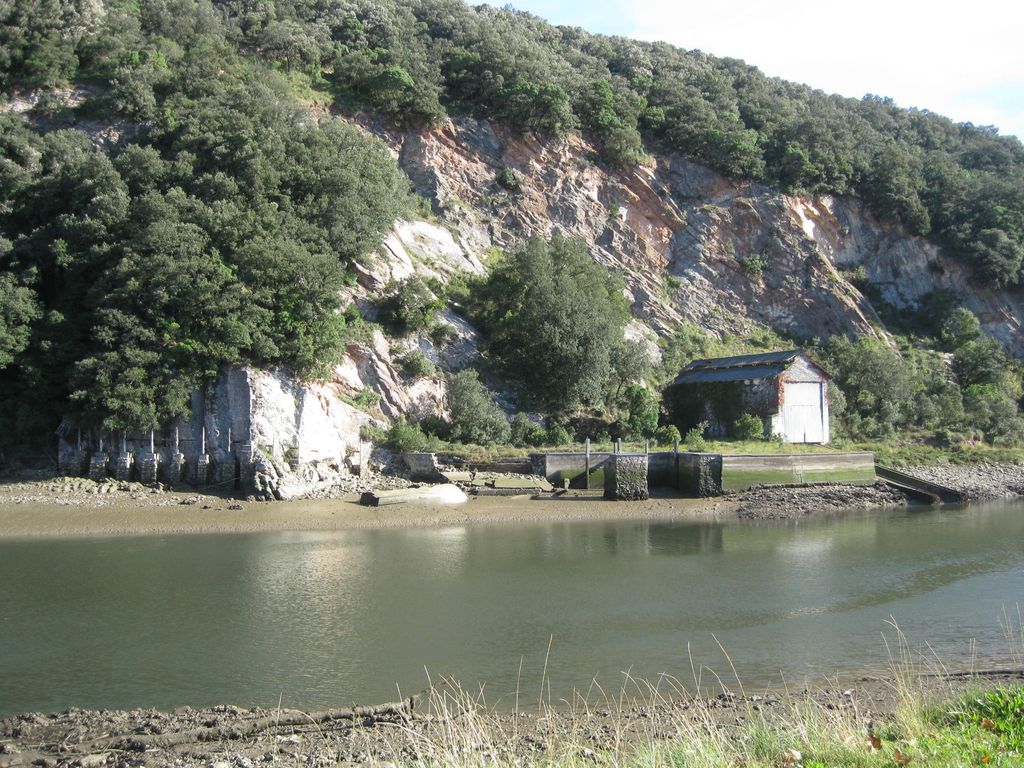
<point>46,508</point>
<point>787,502</point>
<point>979,481</point>
<point>433,727</point>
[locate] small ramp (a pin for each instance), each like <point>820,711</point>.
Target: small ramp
<point>917,487</point>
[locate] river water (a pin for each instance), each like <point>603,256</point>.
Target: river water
<point>330,618</point>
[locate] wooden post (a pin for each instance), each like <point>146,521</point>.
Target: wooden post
<point>586,466</point>
<point>647,447</point>
<point>175,444</point>
<point>79,438</point>
<point>675,446</point>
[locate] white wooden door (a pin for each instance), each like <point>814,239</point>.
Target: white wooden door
<point>802,412</point>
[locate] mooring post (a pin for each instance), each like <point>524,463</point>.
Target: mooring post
<point>586,466</point>
<point>647,447</point>
<point>152,442</point>
<point>675,446</point>
<point>202,440</point>
<point>79,438</point>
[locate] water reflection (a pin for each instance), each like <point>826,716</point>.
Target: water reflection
<point>323,618</point>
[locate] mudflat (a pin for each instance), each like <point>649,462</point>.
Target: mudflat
<point>34,509</point>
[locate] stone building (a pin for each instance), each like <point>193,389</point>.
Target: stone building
<point>787,390</point>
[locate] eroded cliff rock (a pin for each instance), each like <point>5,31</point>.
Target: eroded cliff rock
<point>690,244</point>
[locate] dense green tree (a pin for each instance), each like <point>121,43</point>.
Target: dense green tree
<point>553,317</point>
<point>475,417</point>
<point>642,410</point>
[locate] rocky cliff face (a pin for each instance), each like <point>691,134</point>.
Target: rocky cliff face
<point>690,243</point>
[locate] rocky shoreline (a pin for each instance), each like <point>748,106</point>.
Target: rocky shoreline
<point>436,725</point>
<point>977,481</point>
<point>783,502</point>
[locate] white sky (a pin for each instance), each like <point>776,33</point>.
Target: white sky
<point>964,60</point>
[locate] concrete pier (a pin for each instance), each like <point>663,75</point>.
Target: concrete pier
<point>123,463</point>
<point>74,462</point>
<point>246,455</point>
<point>200,474</point>
<point>98,466</point>
<point>625,477</point>
<point>172,471</point>
<point>149,467</point>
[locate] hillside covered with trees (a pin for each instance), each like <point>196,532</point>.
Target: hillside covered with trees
<point>222,226</point>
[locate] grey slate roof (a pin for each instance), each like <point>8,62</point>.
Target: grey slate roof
<point>739,368</point>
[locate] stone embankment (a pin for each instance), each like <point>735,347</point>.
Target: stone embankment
<point>787,501</point>
<point>979,481</point>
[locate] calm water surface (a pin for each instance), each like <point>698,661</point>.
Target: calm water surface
<point>327,618</point>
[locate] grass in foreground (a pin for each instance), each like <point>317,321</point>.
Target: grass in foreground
<point>986,729</point>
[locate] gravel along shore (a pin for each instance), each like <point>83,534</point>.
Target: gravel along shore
<point>449,726</point>
<point>786,502</point>
<point>980,481</point>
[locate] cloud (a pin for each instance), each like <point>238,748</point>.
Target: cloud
<point>957,59</point>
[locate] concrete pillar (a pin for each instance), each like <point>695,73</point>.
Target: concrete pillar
<point>73,462</point>
<point>246,455</point>
<point>173,470</point>
<point>200,470</point>
<point>149,467</point>
<point>625,477</point>
<point>123,466</point>
<point>98,466</point>
<point>365,450</point>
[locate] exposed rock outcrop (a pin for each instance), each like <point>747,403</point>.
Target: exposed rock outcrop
<point>690,243</point>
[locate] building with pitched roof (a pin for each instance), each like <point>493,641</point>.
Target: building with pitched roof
<point>787,390</point>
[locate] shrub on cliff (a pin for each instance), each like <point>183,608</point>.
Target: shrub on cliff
<point>409,306</point>
<point>475,417</point>
<point>552,316</point>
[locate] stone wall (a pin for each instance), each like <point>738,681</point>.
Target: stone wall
<point>699,474</point>
<point>626,477</point>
